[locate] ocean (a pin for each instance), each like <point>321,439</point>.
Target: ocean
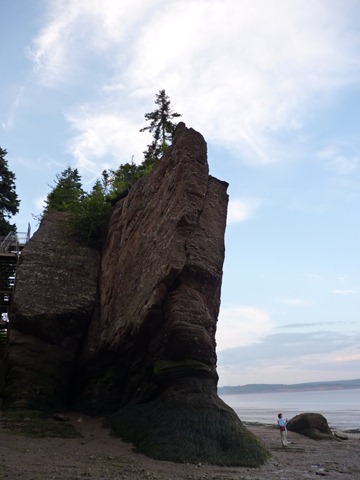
<point>341,408</point>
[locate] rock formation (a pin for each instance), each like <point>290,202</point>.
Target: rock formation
<point>160,279</point>
<point>313,425</point>
<point>54,298</point>
<point>144,349</point>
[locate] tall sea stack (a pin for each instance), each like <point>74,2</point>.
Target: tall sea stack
<point>136,325</point>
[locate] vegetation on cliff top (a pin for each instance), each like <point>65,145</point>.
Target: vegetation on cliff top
<point>89,212</point>
<point>161,127</point>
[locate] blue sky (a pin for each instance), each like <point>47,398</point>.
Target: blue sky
<point>274,87</point>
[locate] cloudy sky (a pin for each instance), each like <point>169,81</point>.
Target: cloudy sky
<point>274,87</point>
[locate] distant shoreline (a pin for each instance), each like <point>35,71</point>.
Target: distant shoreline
<point>298,387</point>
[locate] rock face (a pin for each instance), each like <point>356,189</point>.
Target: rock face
<point>313,425</point>
<point>148,355</point>
<point>55,295</point>
<point>160,280</point>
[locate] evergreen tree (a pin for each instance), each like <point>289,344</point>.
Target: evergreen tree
<point>89,213</point>
<point>89,217</point>
<point>67,192</point>
<point>161,127</point>
<point>122,179</point>
<point>9,203</point>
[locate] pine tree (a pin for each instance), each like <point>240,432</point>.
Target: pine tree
<point>67,192</point>
<point>122,179</point>
<point>161,127</point>
<point>88,218</point>
<point>9,203</point>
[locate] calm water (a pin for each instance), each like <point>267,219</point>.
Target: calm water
<point>341,408</point>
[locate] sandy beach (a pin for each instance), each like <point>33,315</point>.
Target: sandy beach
<point>97,455</point>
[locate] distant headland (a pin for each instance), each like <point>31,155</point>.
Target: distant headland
<point>297,387</point>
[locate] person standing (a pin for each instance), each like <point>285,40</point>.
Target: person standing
<point>283,431</point>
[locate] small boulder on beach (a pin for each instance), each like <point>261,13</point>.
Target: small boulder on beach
<point>313,425</point>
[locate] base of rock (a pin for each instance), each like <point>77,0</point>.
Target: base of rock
<point>198,428</point>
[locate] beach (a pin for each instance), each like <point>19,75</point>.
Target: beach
<point>97,455</point>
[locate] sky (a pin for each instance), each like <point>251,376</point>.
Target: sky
<point>274,88</point>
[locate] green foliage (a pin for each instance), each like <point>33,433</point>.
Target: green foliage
<point>161,127</point>
<point>89,213</point>
<point>66,194</point>
<point>123,178</point>
<point>88,217</point>
<point>9,203</point>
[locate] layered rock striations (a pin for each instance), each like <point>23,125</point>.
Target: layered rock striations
<point>146,352</point>
<point>53,302</point>
<point>160,278</point>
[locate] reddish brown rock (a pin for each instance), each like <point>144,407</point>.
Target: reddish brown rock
<point>151,348</point>
<point>55,295</point>
<point>161,274</point>
<point>149,354</point>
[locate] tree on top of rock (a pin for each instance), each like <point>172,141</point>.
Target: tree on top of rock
<point>87,212</point>
<point>161,127</point>
<point>67,192</point>
<point>9,203</point>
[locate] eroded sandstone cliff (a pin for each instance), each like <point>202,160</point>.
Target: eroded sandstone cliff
<point>160,280</point>
<point>53,302</point>
<point>143,349</point>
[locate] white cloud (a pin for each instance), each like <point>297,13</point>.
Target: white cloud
<point>240,85</point>
<point>241,325</point>
<point>316,276</point>
<point>309,368</point>
<point>345,165</point>
<point>311,325</point>
<point>14,106</point>
<point>344,292</point>
<point>76,29</point>
<point>39,203</point>
<point>293,346</point>
<point>241,209</point>
<point>300,302</point>
<point>104,140</point>
<point>338,161</point>
<point>350,357</point>
<point>259,93</point>
<point>290,358</point>
<point>342,277</point>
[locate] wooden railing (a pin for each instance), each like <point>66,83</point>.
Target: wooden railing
<point>10,249</point>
